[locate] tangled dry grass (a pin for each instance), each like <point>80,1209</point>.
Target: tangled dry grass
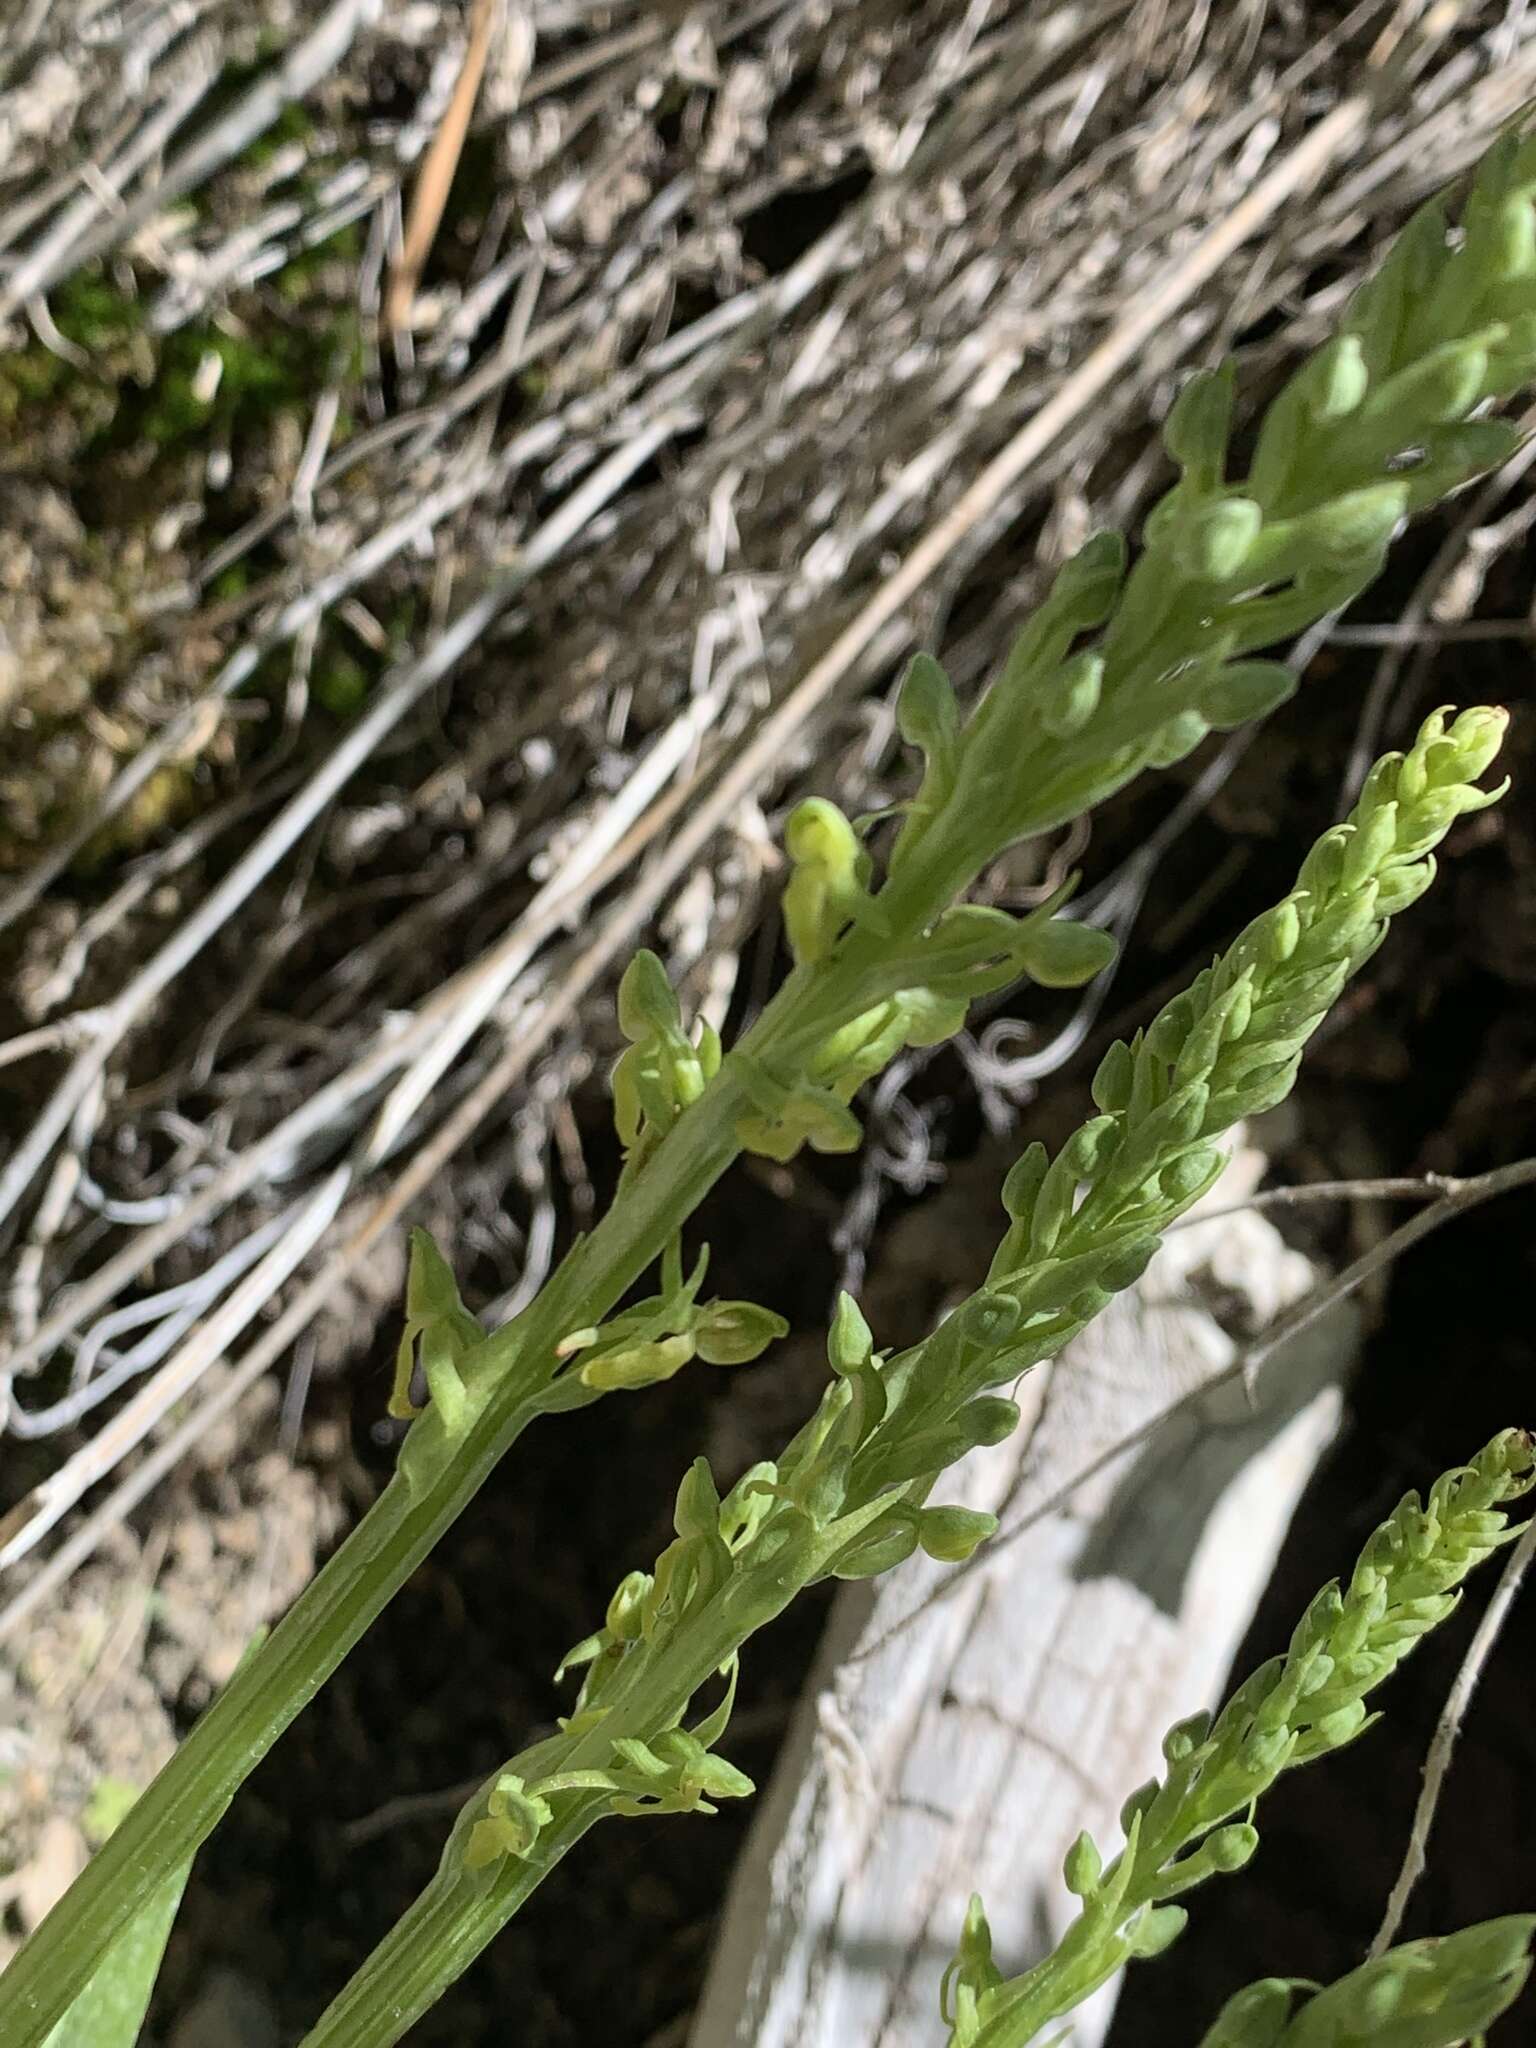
<point>406,602</point>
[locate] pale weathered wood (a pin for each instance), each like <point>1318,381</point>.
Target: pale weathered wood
<point>966,1752</point>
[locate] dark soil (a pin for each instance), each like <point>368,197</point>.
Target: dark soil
<point>1434,1066</point>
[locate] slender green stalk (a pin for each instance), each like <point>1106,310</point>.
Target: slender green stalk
<point>848,1498</point>
<point>1114,673</point>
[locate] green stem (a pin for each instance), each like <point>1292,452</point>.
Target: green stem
<point>436,1940</point>
<point>461,1912</point>
<point>176,1814</point>
<point>186,1801</point>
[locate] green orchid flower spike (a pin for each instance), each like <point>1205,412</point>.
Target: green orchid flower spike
<point>1196,1821</point>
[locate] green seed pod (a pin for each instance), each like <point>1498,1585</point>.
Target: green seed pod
<point>949,1535</point>
<point>1082,1866</point>
<point>1246,690</point>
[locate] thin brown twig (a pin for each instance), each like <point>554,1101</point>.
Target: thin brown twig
<point>1437,1762</point>
<point>437,171</point>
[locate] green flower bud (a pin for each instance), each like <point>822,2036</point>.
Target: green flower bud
<point>1358,521</point>
<point>990,1419</point>
<point>1022,1185</point>
<point>1212,543</point>
<point>876,1550</point>
<point>1254,2018</point>
<point>850,1341</point>
<point>824,888</point>
<point>1199,424</point>
<point>1088,583</point>
<point>1185,1737</point>
<point>1082,1867</point>
<point>1112,1081</point>
<point>1229,1848</point>
<point>927,713</point>
<point>1264,1754</point>
<point>1059,952</point>
<point>1341,1726</point>
<point>1443,385</point>
<point>1335,381</point>
<point>1401,887</point>
<point>1282,931</point>
<point>988,1319</point>
<point>697,1511</point>
<point>1477,736</point>
<point>626,1608</point>
<point>1137,1804</point>
<point>1156,1929</point>
<point>735,1332</point>
<point>637,1365</point>
<point>1071,697</point>
<point>1092,1145</point>
<point>1171,742</point>
<point>949,1535</point>
<point>1124,1268</point>
<point>1190,1175</point>
<point>1246,690</point>
<point>647,1001</point>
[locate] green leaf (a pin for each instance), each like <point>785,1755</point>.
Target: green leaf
<point>109,2012</point>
